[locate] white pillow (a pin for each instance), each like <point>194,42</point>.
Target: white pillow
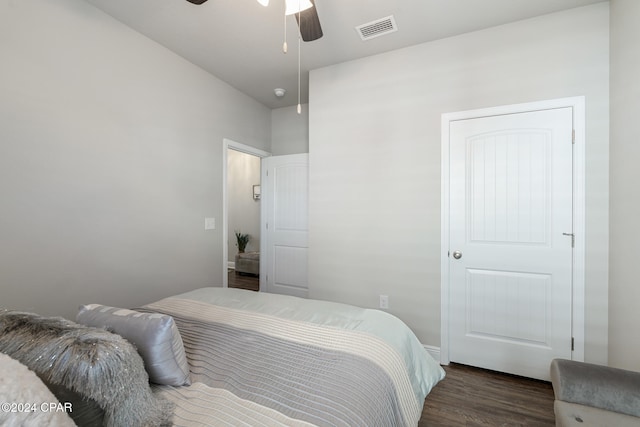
<point>25,399</point>
<point>155,336</point>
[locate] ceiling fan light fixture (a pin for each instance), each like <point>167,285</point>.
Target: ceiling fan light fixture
<point>295,6</point>
<point>265,3</point>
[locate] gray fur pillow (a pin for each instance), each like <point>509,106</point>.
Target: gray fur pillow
<point>92,363</point>
<point>155,336</point>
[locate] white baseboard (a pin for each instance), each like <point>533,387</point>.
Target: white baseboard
<point>433,351</point>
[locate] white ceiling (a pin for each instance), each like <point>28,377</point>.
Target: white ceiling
<point>240,41</point>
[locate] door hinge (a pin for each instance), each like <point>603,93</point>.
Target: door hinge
<point>573,238</point>
<point>572,344</point>
<point>573,136</point>
<point>266,225</point>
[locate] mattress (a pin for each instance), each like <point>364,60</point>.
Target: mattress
<point>292,361</point>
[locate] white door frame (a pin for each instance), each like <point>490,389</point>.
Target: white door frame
<point>578,291</point>
<point>226,145</point>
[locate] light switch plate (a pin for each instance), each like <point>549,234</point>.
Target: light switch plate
<point>209,223</point>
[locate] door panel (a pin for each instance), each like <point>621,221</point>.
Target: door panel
<point>285,198</point>
<point>510,203</point>
<point>508,305</point>
<point>508,193</point>
<point>290,270</point>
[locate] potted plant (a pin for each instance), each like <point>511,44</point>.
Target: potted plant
<point>241,241</point>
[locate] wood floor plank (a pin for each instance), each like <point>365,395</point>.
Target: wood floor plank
<point>243,281</point>
<point>480,398</point>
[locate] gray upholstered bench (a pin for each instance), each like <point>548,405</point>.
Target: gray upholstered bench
<point>595,395</point>
<point>248,263</point>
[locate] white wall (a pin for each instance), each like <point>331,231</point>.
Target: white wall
<point>110,159</point>
<point>289,131</point>
<point>243,172</point>
<point>375,157</point>
<point>624,286</point>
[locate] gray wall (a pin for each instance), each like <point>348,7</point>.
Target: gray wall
<point>289,131</point>
<point>624,289</point>
<point>374,151</point>
<point>110,159</point>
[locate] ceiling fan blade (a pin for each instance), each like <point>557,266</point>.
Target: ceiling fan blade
<point>309,23</point>
<point>196,1</point>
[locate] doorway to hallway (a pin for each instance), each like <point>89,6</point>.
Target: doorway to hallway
<point>242,210</point>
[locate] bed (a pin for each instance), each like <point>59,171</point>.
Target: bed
<point>227,357</point>
<point>280,360</point>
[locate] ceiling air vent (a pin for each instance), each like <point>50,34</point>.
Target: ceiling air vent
<point>377,28</point>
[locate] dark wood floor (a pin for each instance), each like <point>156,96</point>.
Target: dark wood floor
<point>480,398</point>
<point>243,281</point>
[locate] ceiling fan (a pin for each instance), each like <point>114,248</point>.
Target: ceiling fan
<point>308,21</point>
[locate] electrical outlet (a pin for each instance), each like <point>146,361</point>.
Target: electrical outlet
<point>384,301</point>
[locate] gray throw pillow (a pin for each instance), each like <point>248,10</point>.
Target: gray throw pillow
<point>155,336</point>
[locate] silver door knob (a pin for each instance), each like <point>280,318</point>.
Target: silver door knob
<point>457,254</point>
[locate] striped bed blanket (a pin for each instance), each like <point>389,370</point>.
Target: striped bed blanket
<point>264,359</point>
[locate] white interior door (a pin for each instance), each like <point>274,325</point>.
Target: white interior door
<point>510,241</point>
<point>285,184</point>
